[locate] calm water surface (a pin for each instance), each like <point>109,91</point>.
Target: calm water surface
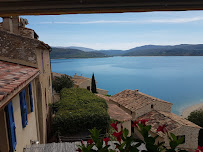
<point>178,80</point>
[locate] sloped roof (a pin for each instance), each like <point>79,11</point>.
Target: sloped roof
<point>116,112</point>
<point>133,99</point>
<point>12,76</point>
<point>171,120</point>
<point>80,79</point>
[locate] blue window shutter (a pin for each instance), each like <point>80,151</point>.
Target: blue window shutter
<point>31,99</point>
<point>12,128</point>
<point>23,107</point>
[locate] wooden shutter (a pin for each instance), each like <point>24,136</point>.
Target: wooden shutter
<point>12,128</point>
<point>23,107</point>
<point>31,99</point>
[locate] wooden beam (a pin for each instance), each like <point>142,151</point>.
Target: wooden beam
<point>40,7</point>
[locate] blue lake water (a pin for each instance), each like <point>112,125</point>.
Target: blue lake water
<point>178,80</point>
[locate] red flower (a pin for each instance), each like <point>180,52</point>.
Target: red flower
<point>200,149</point>
<point>106,140</point>
<point>90,141</point>
<point>135,123</point>
<point>79,150</point>
<point>118,135</point>
<point>143,121</point>
<point>114,125</point>
<point>162,129</point>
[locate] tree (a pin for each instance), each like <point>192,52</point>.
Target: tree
<point>62,82</point>
<point>94,87</point>
<point>196,117</point>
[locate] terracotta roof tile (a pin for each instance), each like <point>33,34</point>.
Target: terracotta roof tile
<point>171,120</point>
<point>116,112</point>
<point>133,99</point>
<point>12,76</point>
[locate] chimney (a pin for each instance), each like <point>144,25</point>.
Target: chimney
<point>11,24</point>
<point>15,20</point>
<point>7,24</point>
<point>81,75</point>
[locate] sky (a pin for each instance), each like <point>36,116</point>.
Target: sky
<point>120,30</point>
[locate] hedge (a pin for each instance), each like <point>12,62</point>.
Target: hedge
<point>79,110</point>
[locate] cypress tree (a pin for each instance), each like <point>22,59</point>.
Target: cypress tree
<point>93,88</point>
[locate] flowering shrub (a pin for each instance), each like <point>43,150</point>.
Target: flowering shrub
<point>125,143</point>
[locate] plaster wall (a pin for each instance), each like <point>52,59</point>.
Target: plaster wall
<point>30,132</point>
<point>127,125</point>
<point>85,84</point>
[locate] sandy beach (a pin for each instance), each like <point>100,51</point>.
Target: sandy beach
<point>186,112</point>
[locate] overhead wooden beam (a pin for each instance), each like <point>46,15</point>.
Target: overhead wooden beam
<point>40,7</point>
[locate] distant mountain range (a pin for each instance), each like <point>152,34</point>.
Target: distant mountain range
<point>147,50</point>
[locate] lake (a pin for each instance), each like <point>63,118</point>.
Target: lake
<point>178,79</point>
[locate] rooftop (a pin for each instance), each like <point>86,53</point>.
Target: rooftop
<point>133,99</point>
<point>80,79</point>
<point>12,76</point>
<point>115,112</point>
<point>171,120</point>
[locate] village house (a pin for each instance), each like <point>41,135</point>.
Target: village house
<point>81,82</point>
<point>158,112</point>
<point>25,72</point>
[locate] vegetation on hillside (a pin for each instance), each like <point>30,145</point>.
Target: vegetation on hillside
<point>196,117</point>
<point>79,110</point>
<point>62,82</point>
<point>58,53</point>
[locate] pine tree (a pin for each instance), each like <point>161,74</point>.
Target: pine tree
<point>93,88</point>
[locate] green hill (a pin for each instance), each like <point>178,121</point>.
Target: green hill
<point>58,53</point>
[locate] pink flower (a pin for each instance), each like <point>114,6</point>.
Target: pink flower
<point>143,121</point>
<point>162,129</point>
<point>90,141</point>
<point>118,135</point>
<point>114,125</point>
<point>82,142</point>
<point>200,149</point>
<point>135,123</point>
<point>106,140</point>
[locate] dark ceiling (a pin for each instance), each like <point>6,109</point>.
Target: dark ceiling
<point>40,7</point>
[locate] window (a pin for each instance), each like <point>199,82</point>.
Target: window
<point>23,106</point>
<point>26,104</point>
<point>152,106</point>
<point>11,127</point>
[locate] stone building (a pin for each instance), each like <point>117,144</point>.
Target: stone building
<point>20,45</point>
<point>136,103</point>
<point>174,124</point>
<point>158,112</point>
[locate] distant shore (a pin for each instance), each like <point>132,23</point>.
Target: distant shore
<point>186,112</point>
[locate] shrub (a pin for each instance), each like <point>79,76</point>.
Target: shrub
<point>196,117</point>
<point>130,144</point>
<point>62,82</point>
<point>79,110</point>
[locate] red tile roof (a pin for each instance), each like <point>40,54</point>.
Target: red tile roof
<point>133,99</point>
<point>114,111</point>
<point>12,76</point>
<point>171,120</point>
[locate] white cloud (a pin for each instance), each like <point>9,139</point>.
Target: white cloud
<point>172,20</point>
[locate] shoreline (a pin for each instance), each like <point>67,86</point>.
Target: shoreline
<point>186,112</point>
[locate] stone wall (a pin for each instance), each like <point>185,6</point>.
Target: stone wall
<point>17,49</point>
<point>26,32</point>
<point>102,91</point>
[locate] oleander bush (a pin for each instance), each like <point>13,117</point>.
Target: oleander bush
<point>124,143</point>
<point>79,110</point>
